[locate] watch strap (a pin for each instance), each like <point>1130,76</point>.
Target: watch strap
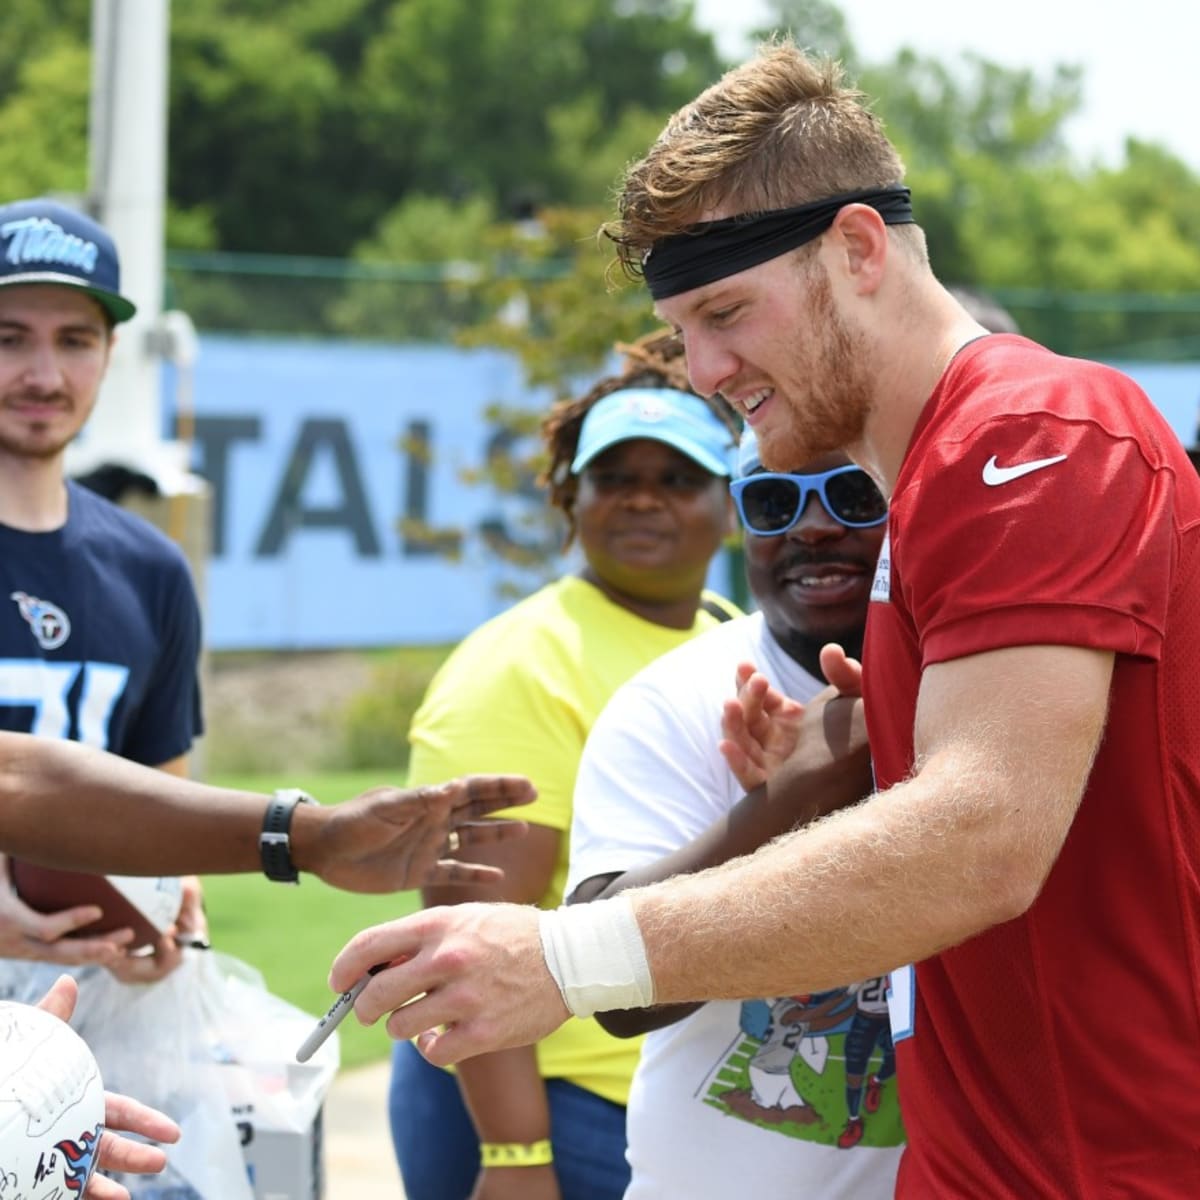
<point>275,840</point>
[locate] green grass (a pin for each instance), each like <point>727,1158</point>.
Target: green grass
<point>374,723</point>
<point>291,934</point>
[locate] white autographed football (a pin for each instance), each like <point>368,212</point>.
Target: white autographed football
<point>51,1105</point>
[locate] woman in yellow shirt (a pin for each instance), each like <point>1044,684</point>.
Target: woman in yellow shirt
<point>639,467</point>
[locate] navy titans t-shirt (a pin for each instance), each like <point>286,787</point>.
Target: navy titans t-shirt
<point>99,634</point>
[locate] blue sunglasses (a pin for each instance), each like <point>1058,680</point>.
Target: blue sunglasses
<point>770,504</point>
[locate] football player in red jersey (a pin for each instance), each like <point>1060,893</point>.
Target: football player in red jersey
<point>1033,847</point>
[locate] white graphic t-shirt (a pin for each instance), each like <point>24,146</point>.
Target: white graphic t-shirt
<point>787,1097</point>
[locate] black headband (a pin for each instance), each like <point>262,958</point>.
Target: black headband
<point>712,250</point>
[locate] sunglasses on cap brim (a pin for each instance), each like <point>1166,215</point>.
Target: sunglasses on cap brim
<point>769,504</point>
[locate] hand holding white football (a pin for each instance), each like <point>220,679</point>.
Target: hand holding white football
<point>51,1105</point>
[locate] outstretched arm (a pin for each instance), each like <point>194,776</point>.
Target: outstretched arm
<point>1005,741</point>
<point>828,768</point>
<point>67,805</point>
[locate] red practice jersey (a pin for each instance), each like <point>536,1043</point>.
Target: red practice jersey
<point>1043,500</point>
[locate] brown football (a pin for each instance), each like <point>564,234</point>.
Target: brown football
<point>147,906</point>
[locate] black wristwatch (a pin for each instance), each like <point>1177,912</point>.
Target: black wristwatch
<point>275,841</point>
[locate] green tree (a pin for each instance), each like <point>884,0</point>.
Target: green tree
<point>464,97</point>
<point>956,127</point>
<point>303,134</point>
<point>553,300</point>
<point>43,121</point>
<point>258,129</point>
<point>45,92</point>
<point>420,276</point>
<point>33,29</point>
<point>410,130</point>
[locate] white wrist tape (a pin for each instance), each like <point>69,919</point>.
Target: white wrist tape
<point>597,957</point>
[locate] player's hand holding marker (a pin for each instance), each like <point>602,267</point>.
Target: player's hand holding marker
<point>390,835</point>
<point>459,977</point>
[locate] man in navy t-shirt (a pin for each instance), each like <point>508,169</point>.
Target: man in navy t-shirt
<point>99,623</point>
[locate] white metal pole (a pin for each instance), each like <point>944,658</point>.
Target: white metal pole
<point>127,186</point>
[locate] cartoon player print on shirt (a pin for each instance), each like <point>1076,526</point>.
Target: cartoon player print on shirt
<point>794,1028</point>
<point>801,1066</point>
<point>869,1028</point>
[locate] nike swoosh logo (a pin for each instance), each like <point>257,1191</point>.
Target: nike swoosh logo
<point>994,474</point>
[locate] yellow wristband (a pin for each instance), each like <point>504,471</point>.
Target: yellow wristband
<point>516,1154</point>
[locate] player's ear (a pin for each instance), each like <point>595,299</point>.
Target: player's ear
<point>861,238</point>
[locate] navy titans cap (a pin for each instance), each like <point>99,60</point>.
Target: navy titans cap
<point>42,241</point>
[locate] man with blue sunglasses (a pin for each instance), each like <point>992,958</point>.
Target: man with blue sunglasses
<point>770,503</point>
<point>790,1084</point>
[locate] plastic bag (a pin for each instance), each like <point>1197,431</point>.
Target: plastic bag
<point>211,1047</point>
<point>277,1102</point>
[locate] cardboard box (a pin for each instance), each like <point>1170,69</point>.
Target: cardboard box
<point>282,1164</point>
<point>281,1130</point>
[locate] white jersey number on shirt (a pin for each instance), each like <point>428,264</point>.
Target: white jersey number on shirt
<point>46,688</point>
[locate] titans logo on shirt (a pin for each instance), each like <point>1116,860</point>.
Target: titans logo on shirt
<point>99,634</point>
<point>51,626</point>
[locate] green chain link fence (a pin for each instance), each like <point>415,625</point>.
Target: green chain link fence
<point>424,302</point>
